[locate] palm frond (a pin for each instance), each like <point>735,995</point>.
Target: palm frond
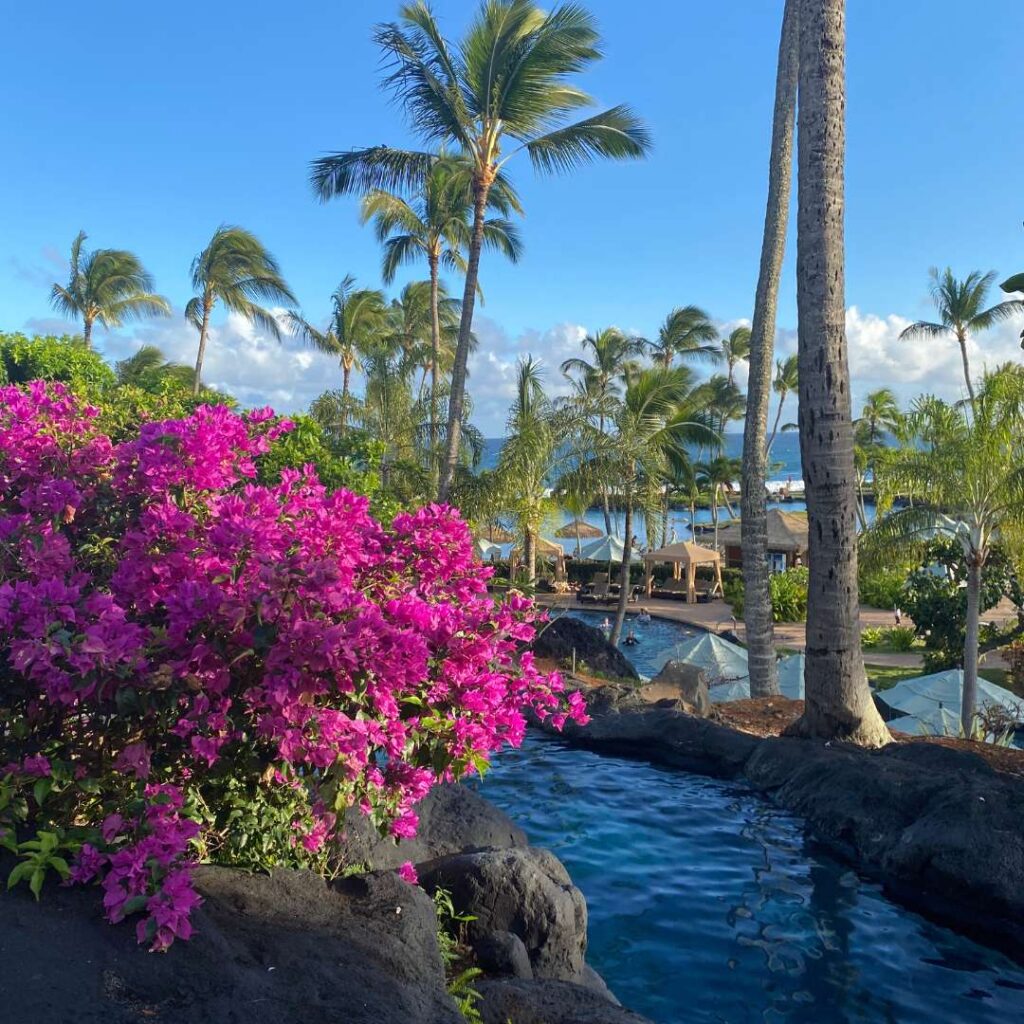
<point>616,134</point>
<point>363,170</point>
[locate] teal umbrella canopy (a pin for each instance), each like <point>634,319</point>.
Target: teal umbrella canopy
<point>791,676</point>
<point>607,549</point>
<point>721,660</point>
<point>933,702</point>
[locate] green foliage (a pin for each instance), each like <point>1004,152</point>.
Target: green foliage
<point>452,947</point>
<point>895,638</point>
<point>881,587</point>
<point>938,602</point>
<point>787,591</point>
<point>1014,654</point>
<point>66,359</point>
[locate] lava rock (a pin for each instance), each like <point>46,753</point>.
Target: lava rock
<point>559,638</point>
<point>287,948</point>
<point>686,681</point>
<point>503,954</point>
<point>453,819</point>
<point>548,1002</point>
<point>524,891</point>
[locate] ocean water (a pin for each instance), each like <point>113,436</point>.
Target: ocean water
<point>709,905</point>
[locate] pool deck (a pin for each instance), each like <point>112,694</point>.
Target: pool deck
<point>717,617</point>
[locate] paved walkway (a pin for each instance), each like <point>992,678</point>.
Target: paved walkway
<point>716,617</point>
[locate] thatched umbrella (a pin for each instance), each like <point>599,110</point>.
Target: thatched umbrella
<point>579,528</point>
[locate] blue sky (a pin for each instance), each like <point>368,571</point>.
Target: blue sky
<point>148,125</point>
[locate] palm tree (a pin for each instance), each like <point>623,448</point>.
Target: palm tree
<point>838,703</point>
<point>716,477</point>
<point>598,382</point>
<point>961,312</point>
<point>433,225</point>
<point>787,380</point>
<point>655,418</point>
<point>688,332</point>
<point>880,416</point>
<point>106,286</point>
<point>237,270</point>
<point>358,317</point>
<point>757,606</point>
<point>502,90</point>
<point>527,457</point>
<point>736,348</point>
<point>724,401</point>
<point>148,367</point>
<point>970,472</point>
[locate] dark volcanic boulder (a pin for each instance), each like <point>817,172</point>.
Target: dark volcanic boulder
<point>453,819</point>
<point>564,635</point>
<point>281,949</point>
<point>503,954</point>
<point>523,891</point>
<point>686,682</point>
<point>548,1002</point>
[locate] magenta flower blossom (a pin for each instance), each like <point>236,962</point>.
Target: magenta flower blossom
<point>168,623</point>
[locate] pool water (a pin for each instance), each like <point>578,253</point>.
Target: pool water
<point>656,638</point>
<point>708,904</point>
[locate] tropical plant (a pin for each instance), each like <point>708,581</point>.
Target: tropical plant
<point>148,368</point>
<point>237,270</point>
<point>526,463</point>
<point>686,332</point>
<point>195,665</point>
<point>880,418</point>
<point>786,382</point>
<point>66,359</point>
<point>432,225</point>
<point>716,478</point>
<point>757,617</point>
<point>723,401</point>
<point>972,476</point>
<point>504,89</point>
<point>106,286</point>
<point>735,348</point>
<point>657,416</point>
<point>961,308</point>
<point>614,356</point>
<point>838,703</point>
<point>358,319</point>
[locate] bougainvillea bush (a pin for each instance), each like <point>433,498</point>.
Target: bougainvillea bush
<point>194,666</point>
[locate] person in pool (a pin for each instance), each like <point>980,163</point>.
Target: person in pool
<point>631,638</point>
<point>644,617</point>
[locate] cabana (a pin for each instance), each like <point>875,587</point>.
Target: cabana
<point>684,555</point>
<point>578,530</point>
<point>787,540</point>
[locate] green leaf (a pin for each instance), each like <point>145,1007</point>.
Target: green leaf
<point>60,865</point>
<point>35,883</point>
<point>1013,284</point>
<point>18,873</point>
<point>134,905</point>
<point>41,790</point>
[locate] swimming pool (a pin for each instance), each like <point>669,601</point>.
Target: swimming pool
<point>708,904</point>
<point>655,637</point>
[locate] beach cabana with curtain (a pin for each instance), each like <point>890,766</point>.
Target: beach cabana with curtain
<point>684,556</point>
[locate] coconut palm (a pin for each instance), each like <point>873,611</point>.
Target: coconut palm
<point>614,354</point>
<point>502,90</point>
<point>723,400</point>
<point>432,225</point>
<point>735,348</point>
<point>686,332</point>
<point>961,308</point>
<point>527,457</point>
<point>148,367</point>
<point>838,703</point>
<point>757,607</point>
<point>880,417</point>
<point>237,270</point>
<point>106,286</point>
<point>656,417</point>
<point>970,472</point>
<point>358,317</point>
<point>786,382</point>
<point>716,477</point>
<point>1011,285</point>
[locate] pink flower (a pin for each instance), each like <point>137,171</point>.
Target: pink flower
<point>135,759</point>
<point>37,766</point>
<point>408,873</point>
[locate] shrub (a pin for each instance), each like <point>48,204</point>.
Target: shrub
<point>882,588</point>
<point>65,359</point>
<point>787,590</point>
<point>895,638</point>
<point>199,666</point>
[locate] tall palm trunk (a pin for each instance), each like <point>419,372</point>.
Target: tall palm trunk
<point>87,330</point>
<point>435,358</point>
<point>627,555</point>
<point>604,490</point>
<point>961,337</point>
<point>969,700</point>
<point>481,190</point>
<point>838,703</point>
<point>204,330</point>
<point>778,411</point>
<point>530,553</point>
<point>346,377</point>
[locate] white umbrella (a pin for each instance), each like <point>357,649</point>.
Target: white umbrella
<point>485,550</point>
<point>791,676</point>
<point>738,689</point>
<point>721,660</point>
<point>605,549</point>
<point>934,701</point>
